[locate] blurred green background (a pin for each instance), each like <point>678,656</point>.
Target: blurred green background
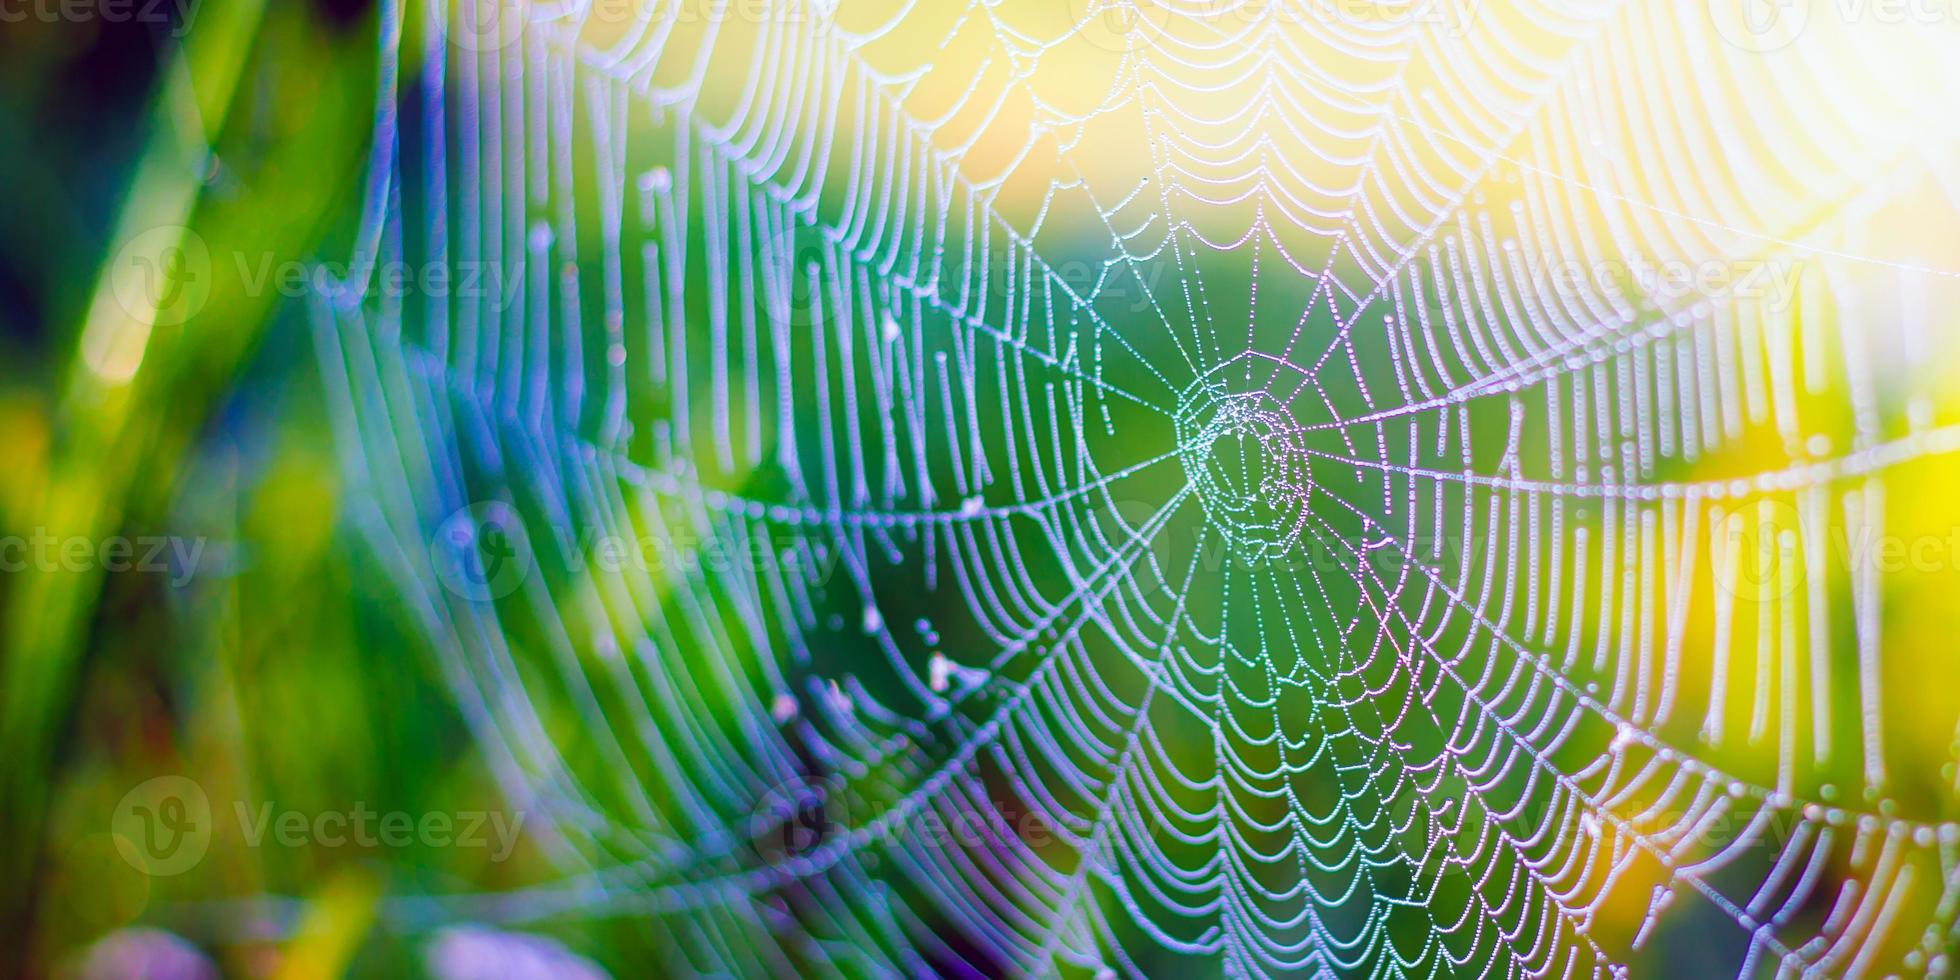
<point>256,655</point>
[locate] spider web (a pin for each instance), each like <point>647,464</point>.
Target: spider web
<point>938,487</point>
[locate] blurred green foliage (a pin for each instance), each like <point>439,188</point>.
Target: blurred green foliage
<point>277,670</point>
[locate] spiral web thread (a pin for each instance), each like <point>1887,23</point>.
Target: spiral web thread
<point>1125,489</point>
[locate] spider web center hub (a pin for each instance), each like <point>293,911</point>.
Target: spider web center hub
<point>1244,457</point>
